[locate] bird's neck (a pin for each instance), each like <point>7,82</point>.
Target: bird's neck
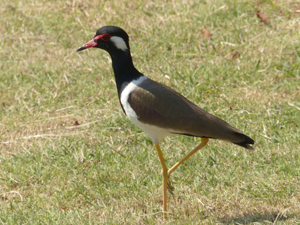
<point>124,69</point>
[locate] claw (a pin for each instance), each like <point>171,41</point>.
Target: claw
<point>169,184</point>
<point>170,187</point>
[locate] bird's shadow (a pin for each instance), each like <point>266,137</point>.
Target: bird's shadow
<point>272,217</point>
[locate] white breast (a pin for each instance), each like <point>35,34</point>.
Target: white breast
<point>156,133</point>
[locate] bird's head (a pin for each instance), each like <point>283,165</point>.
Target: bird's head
<point>109,38</point>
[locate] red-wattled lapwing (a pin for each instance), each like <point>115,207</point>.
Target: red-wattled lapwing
<point>157,109</point>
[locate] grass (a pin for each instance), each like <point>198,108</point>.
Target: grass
<point>106,171</point>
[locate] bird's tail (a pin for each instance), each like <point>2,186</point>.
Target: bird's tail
<point>247,141</point>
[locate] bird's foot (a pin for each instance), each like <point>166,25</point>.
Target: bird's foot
<point>166,176</point>
<point>169,186</point>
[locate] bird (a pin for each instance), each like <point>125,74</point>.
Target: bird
<point>156,108</point>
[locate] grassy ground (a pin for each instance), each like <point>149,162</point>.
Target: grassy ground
<point>219,54</point>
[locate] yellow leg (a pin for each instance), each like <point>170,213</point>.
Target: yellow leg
<point>166,173</point>
<point>202,144</point>
<point>165,179</point>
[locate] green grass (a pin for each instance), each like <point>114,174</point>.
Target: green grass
<point>107,171</point>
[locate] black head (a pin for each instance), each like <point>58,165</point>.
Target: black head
<point>109,38</point>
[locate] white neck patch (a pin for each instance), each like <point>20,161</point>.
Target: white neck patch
<point>156,133</point>
<point>119,43</point>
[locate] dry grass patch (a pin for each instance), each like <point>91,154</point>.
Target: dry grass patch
<point>102,169</point>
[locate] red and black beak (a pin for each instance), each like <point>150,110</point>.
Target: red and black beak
<point>90,44</point>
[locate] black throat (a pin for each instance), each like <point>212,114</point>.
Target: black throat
<point>124,69</point>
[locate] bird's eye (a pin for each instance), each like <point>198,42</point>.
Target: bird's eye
<point>105,37</point>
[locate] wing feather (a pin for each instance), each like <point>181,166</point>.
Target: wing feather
<point>158,105</point>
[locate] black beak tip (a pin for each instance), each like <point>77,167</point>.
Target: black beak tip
<point>80,48</point>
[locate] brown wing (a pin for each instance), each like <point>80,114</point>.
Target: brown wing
<point>159,105</point>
